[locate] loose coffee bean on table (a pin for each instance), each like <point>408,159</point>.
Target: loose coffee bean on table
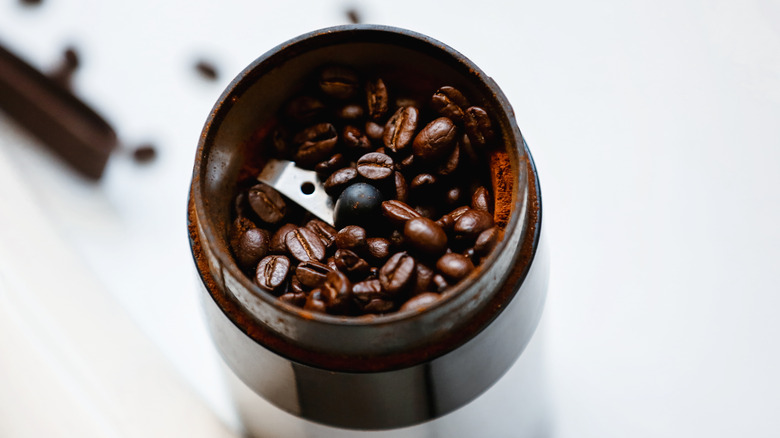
<point>407,171</point>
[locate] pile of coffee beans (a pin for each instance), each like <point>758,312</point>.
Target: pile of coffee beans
<point>406,168</point>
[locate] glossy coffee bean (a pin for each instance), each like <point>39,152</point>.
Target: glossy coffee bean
<point>351,264</point>
<point>423,278</point>
<point>454,266</point>
<point>370,297</point>
<point>251,247</point>
<point>471,223</point>
<point>315,143</point>
<point>377,99</point>
<point>422,185</point>
<point>435,140</point>
<point>358,204</point>
<point>452,196</point>
<point>378,249</point>
<point>326,168</point>
<point>486,241</point>
<point>304,245</point>
<point>325,232</point>
<point>337,292</point>
<point>352,237</point>
<point>350,112</point>
<point>439,283</point>
<point>315,302</point>
<point>398,212</point>
<point>478,126</point>
<point>446,222</point>
<point>340,180</point>
<point>267,203</point>
<point>278,244</point>
<point>355,140</point>
<point>375,166</point>
<point>397,274</point>
<point>450,164</point>
<point>481,200</point>
<point>450,103</point>
<point>379,306</point>
<point>311,274</point>
<point>297,299</point>
<point>400,129</point>
<point>420,302</point>
<point>401,188</point>
<point>339,82</point>
<point>425,236</point>
<point>271,272</point>
<point>374,131</point>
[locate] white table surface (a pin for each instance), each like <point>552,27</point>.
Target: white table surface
<point>656,131</point>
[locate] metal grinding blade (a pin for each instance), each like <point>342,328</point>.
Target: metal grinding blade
<point>300,186</point>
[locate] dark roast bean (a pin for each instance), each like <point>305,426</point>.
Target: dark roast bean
<point>396,239</point>
<point>449,102</point>
<point>478,127</point>
<point>315,143</point>
<point>304,109</point>
<point>481,200</point>
<point>423,278</point>
<point>325,168</point>
<point>351,111</point>
<point>351,237</point>
<point>358,204</point>
<point>271,272</point>
<point>305,245</point>
<point>422,185</point>
<point>471,223</point>
<point>297,287</point>
<point>420,302</point>
<point>452,196</point>
<point>379,305</point>
<point>398,212</point>
<point>398,273</point>
<point>378,248</point>
<point>449,165</point>
<point>370,298</point>
<point>267,203</point>
<point>458,212</point>
<point>252,246</point>
<point>454,266</point>
<point>406,164</point>
<point>340,180</point>
<point>337,292</point>
<point>278,243</point>
<point>315,302</point>
<point>400,129</point>
<point>296,299</point>
<point>351,264</point>
<point>331,262</point>
<point>426,210</point>
<point>439,283</point>
<point>446,222</point>
<point>376,95</point>
<point>401,188</point>
<point>239,226</point>
<point>486,241</point>
<point>354,140</point>
<point>374,131</point>
<point>311,274</point>
<point>325,232</point>
<point>425,236</point>
<point>374,166</point>
<point>435,140</point>
<point>339,82</point>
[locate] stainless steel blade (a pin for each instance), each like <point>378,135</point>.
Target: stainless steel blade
<point>299,185</point>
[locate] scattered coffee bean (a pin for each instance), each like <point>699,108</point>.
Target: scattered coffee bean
<point>400,129</point>
<point>207,70</point>
<point>353,16</point>
<point>397,274</point>
<point>374,166</point>
<point>435,140</point>
<point>272,271</point>
<point>351,237</point>
<point>267,203</point>
<point>471,223</point>
<point>378,248</point>
<point>304,245</point>
<point>425,236</point>
<point>145,153</point>
<point>454,266</point>
<point>398,212</point>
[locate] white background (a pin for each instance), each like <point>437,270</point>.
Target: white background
<point>655,126</point>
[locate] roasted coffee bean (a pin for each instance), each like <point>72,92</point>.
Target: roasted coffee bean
<point>251,247</point>
<point>370,298</point>
<point>271,272</point>
<point>452,196</point>
<point>486,241</point>
<point>315,302</point>
<point>315,143</point>
<point>422,185</point>
<point>340,180</point>
<point>449,102</point>
<point>401,188</point>
<point>354,140</point>
<point>446,222</point>
<point>278,243</point>
<point>351,237</point>
<point>396,239</point>
<point>351,264</point>
<point>337,292</point>
<point>398,212</point>
<point>425,236</point>
<point>358,204</point>
<point>420,302</point>
<point>427,210</point>
<point>144,153</point>
<point>478,126</point>
<point>378,306</point>
<point>481,200</point>
<point>458,212</point>
<point>351,112</point>
<point>454,266</point>
<point>339,82</point>
<point>423,278</point>
<point>304,109</point>
<point>375,131</point>
<point>378,248</point>
<point>449,165</point>
<point>311,274</point>
<point>267,203</point>
<point>296,299</point>
<point>400,129</point>
<point>471,223</point>
<point>325,232</point>
<point>435,140</point>
<point>376,95</point>
<point>375,166</point>
<point>439,283</point>
<point>398,273</point>
<point>305,245</point>
<point>331,262</point>
<point>207,69</point>
<point>296,286</point>
<point>239,226</point>
<point>325,168</point>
